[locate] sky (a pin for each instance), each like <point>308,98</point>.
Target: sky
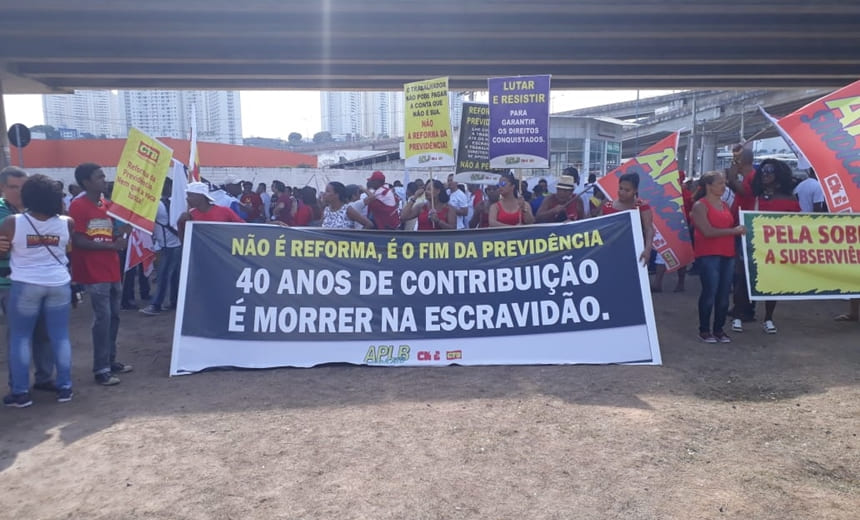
<point>277,113</point>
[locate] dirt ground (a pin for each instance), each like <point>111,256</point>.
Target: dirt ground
<point>764,428</point>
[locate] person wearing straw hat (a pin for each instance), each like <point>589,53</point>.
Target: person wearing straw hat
<point>562,206</point>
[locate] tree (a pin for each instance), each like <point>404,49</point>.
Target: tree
<point>50,132</point>
<point>322,137</point>
<point>294,138</point>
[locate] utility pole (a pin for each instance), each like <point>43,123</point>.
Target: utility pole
<point>691,153</point>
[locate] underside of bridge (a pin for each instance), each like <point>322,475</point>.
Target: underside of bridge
<point>61,45</point>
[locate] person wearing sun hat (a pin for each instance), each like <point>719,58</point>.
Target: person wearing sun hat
<point>561,206</point>
<point>202,208</point>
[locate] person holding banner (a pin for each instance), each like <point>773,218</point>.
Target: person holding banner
<point>434,213</point>
<point>202,208</point>
<point>628,199</point>
<point>338,213</point>
<point>714,232</point>
<point>510,210</point>
<point>774,191</point>
<point>481,216</point>
<point>562,206</point>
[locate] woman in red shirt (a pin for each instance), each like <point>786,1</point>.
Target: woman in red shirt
<point>628,199</point>
<point>435,213</point>
<point>774,191</point>
<point>510,210</point>
<point>305,208</point>
<point>714,233</point>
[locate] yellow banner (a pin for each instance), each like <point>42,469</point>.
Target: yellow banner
<point>140,176</point>
<point>802,256</point>
<point>428,140</point>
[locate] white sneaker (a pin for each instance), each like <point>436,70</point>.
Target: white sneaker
<point>737,325</point>
<point>769,327</point>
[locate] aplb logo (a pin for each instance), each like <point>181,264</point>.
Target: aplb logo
<point>147,152</point>
<point>451,355</point>
<point>836,191</point>
<point>512,160</point>
<point>424,158</point>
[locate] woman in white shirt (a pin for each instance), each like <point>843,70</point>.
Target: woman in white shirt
<point>36,241</point>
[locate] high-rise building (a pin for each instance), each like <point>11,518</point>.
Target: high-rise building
<point>86,112</point>
<point>167,113</point>
<point>160,113</point>
<point>372,114</point>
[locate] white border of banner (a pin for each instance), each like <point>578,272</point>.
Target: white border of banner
<point>782,297</point>
<point>220,353</point>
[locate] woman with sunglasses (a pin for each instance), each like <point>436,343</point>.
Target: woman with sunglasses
<point>773,190</point>
<point>510,210</point>
<point>434,213</point>
<point>628,199</point>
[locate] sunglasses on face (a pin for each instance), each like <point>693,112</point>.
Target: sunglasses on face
<point>503,184</point>
<point>768,170</point>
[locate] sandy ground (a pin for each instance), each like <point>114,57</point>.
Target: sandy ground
<point>764,428</point>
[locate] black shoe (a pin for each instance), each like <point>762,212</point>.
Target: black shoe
<point>45,386</point>
<point>18,400</point>
<point>106,379</point>
<point>120,368</point>
<point>64,395</point>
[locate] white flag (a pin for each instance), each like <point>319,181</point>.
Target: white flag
<point>802,161</point>
<point>178,205</point>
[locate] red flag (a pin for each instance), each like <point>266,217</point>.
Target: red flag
<point>140,252</point>
<point>828,133</point>
<point>660,187</point>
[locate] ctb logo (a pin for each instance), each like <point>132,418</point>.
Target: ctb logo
<point>147,152</point>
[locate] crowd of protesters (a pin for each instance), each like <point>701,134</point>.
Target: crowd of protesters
<point>54,246</point>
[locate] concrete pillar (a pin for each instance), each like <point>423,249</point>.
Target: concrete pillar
<point>5,153</point>
<point>709,152</point>
<point>586,158</point>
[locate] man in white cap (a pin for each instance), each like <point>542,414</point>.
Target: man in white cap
<point>229,196</point>
<point>202,208</point>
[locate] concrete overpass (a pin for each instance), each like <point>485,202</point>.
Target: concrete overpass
<point>60,45</point>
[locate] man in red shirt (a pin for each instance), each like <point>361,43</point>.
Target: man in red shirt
<point>202,208</point>
<point>742,165</point>
<point>253,202</point>
<point>95,264</point>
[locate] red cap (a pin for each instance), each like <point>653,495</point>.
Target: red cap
<point>377,176</point>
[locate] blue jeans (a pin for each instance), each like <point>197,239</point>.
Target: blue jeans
<point>716,273</point>
<point>105,298</point>
<point>169,259</point>
<point>26,302</point>
<point>43,358</point>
